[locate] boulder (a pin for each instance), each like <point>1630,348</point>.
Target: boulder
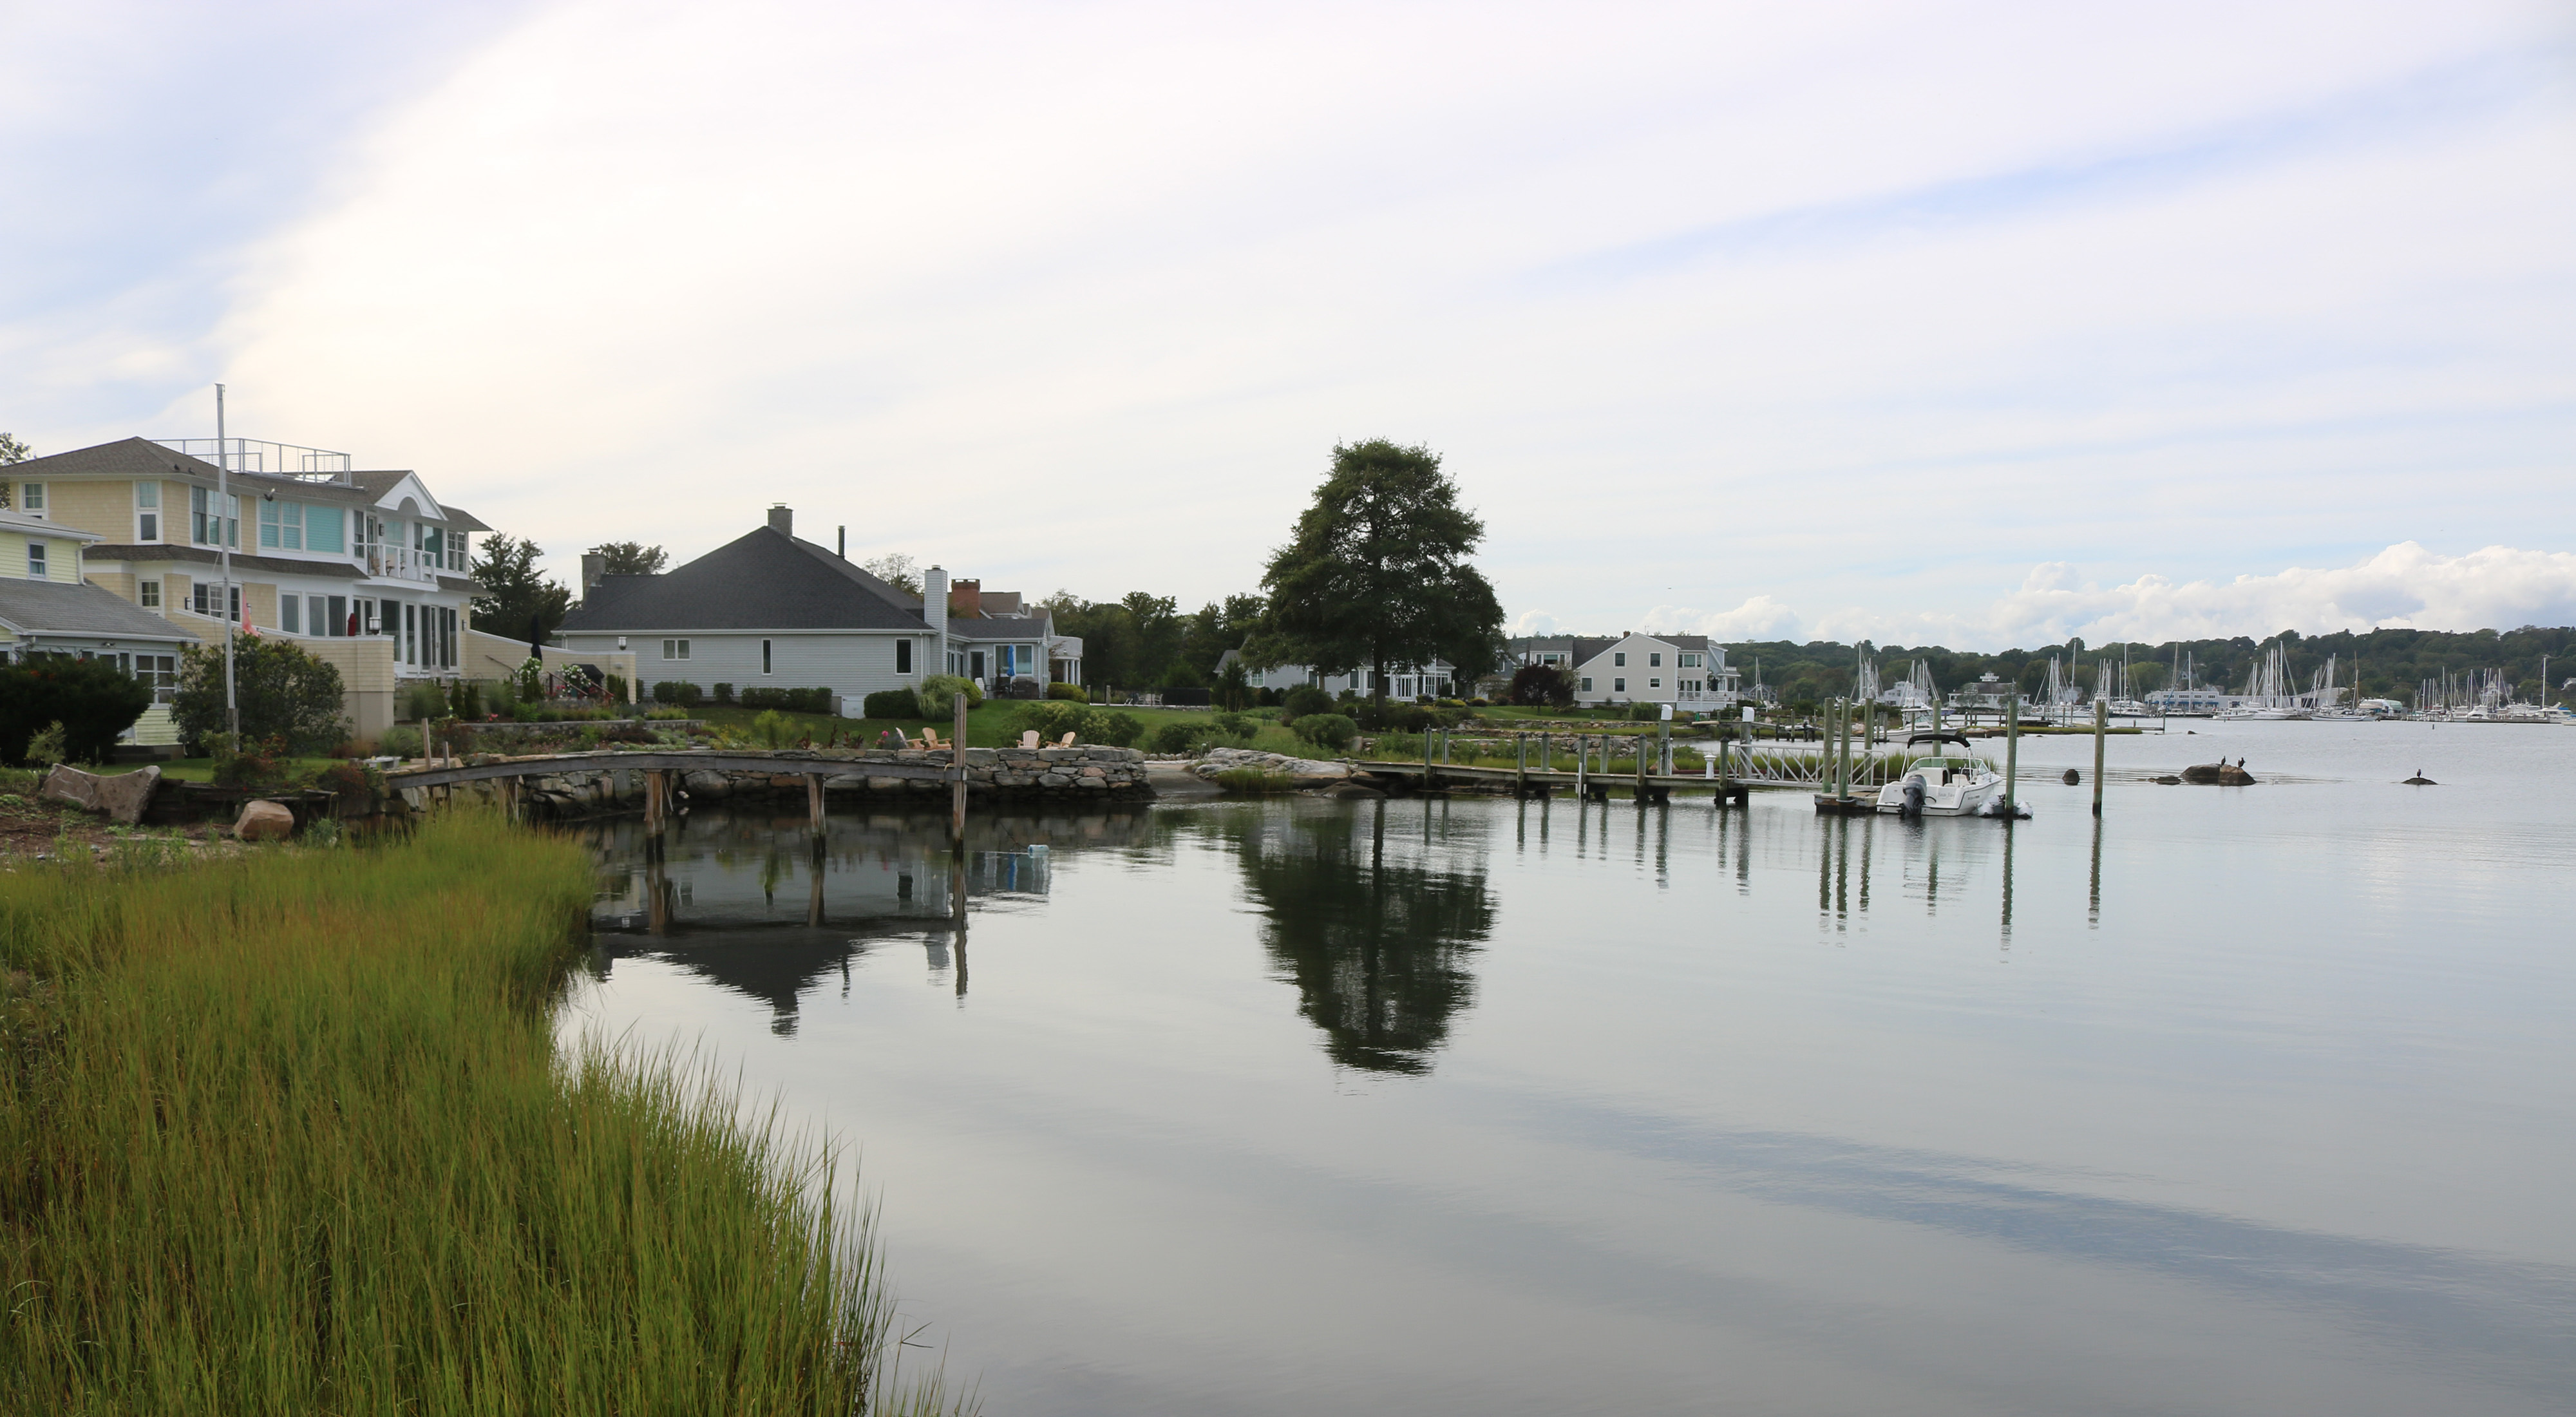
<point>121,796</point>
<point>263,820</point>
<point>2073,777</point>
<point>2230,775</point>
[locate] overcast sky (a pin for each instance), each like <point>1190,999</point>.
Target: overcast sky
<point>1973,323</point>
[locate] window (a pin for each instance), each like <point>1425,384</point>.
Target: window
<point>1620,659</point>
<point>903,656</point>
<point>290,614</point>
<point>267,522</point>
<point>1654,661</point>
<point>764,656</point>
<point>160,674</point>
<point>147,512</point>
<point>34,503</point>
<point>1587,684</point>
<point>338,625</point>
<point>1618,686</point>
<point>208,600</point>
<point>1654,683</point>
<point>290,526</point>
<point>675,649</point>
<point>1688,661</point>
<point>210,525</point>
<point>322,527</point>
<point>148,594</point>
<point>35,558</point>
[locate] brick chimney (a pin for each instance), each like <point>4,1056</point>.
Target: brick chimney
<point>782,520</point>
<point>966,600</point>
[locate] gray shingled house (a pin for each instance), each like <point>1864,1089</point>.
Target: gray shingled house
<point>765,610</point>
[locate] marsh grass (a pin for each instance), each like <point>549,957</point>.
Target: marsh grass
<point>288,1133</point>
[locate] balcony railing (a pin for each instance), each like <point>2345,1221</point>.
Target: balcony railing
<point>399,563</point>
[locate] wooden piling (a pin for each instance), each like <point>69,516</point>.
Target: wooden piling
<point>814,801</point>
<point>2101,736</point>
<point>957,773</point>
<point>2012,752</point>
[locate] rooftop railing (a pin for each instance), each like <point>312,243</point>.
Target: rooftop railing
<point>259,456</point>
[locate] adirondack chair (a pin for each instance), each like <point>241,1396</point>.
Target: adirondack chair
<point>930,738</point>
<point>1028,738</point>
<point>1065,742</point>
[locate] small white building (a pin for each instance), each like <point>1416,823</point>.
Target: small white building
<point>1435,680</point>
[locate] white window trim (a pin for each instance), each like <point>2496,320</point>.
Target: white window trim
<point>1619,685</point>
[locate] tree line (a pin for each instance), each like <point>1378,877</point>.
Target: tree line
<point>2392,662</point>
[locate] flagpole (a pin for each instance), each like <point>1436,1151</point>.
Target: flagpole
<point>224,533</point>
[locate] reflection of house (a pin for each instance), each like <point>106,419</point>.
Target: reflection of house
<point>366,570</point>
<point>772,610</point>
<point>1436,680</point>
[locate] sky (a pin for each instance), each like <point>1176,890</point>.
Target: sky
<point>1977,324</point>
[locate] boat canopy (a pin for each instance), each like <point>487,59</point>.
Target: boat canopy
<point>1936,739</point>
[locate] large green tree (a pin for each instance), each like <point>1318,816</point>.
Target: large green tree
<point>1377,576</point>
<point>631,558</point>
<point>518,600</point>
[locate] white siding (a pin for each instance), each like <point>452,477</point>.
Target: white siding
<point>845,663</point>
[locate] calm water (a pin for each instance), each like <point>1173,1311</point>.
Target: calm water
<point>2263,1101</point>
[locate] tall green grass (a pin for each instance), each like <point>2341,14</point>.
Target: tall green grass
<point>288,1133</point>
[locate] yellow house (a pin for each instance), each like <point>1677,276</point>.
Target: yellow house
<point>365,569</point>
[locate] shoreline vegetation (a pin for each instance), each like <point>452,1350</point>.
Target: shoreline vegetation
<point>289,1132</point>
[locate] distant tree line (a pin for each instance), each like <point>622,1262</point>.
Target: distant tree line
<point>2393,662</point>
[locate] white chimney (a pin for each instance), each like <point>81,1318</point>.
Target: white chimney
<point>934,608</point>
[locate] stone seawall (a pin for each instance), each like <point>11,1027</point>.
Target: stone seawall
<point>1092,773</point>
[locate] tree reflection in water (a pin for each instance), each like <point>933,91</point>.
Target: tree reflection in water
<point>1378,950</point>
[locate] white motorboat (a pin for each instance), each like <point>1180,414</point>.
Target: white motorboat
<point>1956,784</point>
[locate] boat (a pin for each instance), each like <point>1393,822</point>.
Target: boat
<point>1957,784</point>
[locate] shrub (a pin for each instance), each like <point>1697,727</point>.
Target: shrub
<point>773,729</point>
<point>617,688</point>
<point>792,700</point>
<point>939,693</point>
<point>676,691</point>
<point>1235,726</point>
<point>666,712</point>
<point>1303,700</point>
<point>1023,687</point>
<point>465,699</point>
<point>259,763</point>
<point>283,693</point>
<point>400,742</point>
<point>892,703</point>
<point>1176,738</point>
<point>92,699</point>
<point>1120,730</point>
<point>1328,730</point>
<point>1254,782</point>
<point>353,781</point>
<point>46,748</point>
<point>724,693</point>
<point>1053,718</point>
<point>1074,692</point>
<point>422,700</point>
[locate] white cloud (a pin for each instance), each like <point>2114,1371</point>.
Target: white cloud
<point>2403,587</point>
<point>1707,305</point>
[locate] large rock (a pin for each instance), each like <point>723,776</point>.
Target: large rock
<point>122,796</point>
<point>263,820</point>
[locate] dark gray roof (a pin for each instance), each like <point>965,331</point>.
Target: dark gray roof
<point>126,457</point>
<point>763,580</point>
<point>58,608</point>
<point>462,519</point>
<point>1586,648</point>
<point>205,556</point>
<point>1000,627</point>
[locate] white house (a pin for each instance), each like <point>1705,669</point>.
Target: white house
<point>1685,671</point>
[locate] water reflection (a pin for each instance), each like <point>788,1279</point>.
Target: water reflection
<point>1378,948</point>
<point>768,908</point>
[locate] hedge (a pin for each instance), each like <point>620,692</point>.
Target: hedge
<point>792,700</point>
